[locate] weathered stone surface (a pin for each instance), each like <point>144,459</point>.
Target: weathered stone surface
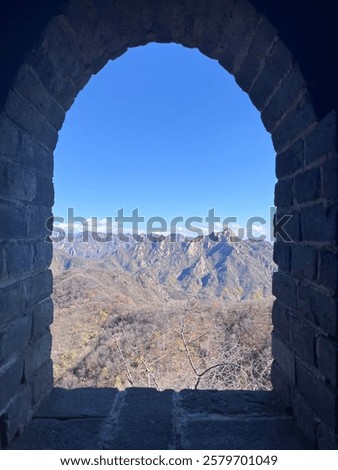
<point>285,289</point>
<point>17,412</point>
<point>54,61</point>
<point>18,257</point>
<point>307,185</point>
<point>318,308</point>
<point>328,270</point>
<point>304,262</point>
<point>319,223</point>
<point>78,403</point>
<point>294,124</point>
<point>284,357</point>
<point>282,255</point>
<point>291,160</point>
<point>53,434</point>
<point>37,354</point>
<point>15,337</point>
<point>42,314</point>
<point>10,381</point>
<point>284,193</point>
<point>12,302</point>
<point>327,358</point>
<point>322,140</point>
<point>325,438</point>
<point>147,419</point>
<point>242,434</point>
<point>330,178</point>
<point>16,181</point>
<point>291,226</point>
<point>285,97</point>
<point>250,66</point>
<point>320,396</point>
<point>37,288</point>
<point>302,339</point>
<point>29,86</point>
<point>18,147</point>
<point>280,319</point>
<point>276,67</point>
<point>25,116</point>
<point>13,223</point>
<point>41,384</point>
<point>140,416</point>
<point>282,385</point>
<point>227,403</point>
<point>305,416</point>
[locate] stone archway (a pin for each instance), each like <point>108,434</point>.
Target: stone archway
<point>76,43</point>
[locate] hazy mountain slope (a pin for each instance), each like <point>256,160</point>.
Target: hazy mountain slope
<point>230,271</point>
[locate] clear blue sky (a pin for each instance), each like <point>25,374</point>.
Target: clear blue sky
<point>166,130</point>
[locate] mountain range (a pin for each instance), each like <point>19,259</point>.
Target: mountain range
<point>172,267</point>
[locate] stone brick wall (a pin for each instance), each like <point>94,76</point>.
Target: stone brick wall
<point>305,312</point>
<point>77,43</point>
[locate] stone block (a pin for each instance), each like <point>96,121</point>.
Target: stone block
<point>290,160</point>
<point>15,338</point>
<point>44,193</point>
<point>74,434</point>
<point>42,314</point>
<point>18,257</point>
<point>289,221</point>
<point>285,97</point>
<point>308,185</point>
<point>322,139</point>
<point>303,339</point>
<point>25,116</point>
<point>281,386</point>
<point>319,395</point>
<point>304,262</point>
<point>226,403</point>
<point>318,308</point>
<point>305,417</point>
<point>16,182</point>
<point>37,287</point>
<point>280,320</point>
<point>36,220</point>
<point>13,223</point>
<point>12,302</point>
<point>43,254</point>
<point>276,67</point>
<point>37,354</point>
<point>327,357</point>
<point>319,223</point>
<point>29,86</point>
<point>282,255</point>
<point>18,413</point>
<point>20,148</point>
<point>10,380</point>
<point>41,384</point>
<point>328,270</point>
<point>325,438</point>
<point>259,48</point>
<point>285,289</point>
<point>294,124</point>
<point>330,178</point>
<point>284,192</point>
<point>137,429</point>
<point>242,434</point>
<point>284,356</point>
<point>78,403</point>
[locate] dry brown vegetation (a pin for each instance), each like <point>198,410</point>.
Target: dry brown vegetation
<point>179,344</point>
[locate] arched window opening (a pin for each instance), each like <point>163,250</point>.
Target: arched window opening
<point>164,145</point>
